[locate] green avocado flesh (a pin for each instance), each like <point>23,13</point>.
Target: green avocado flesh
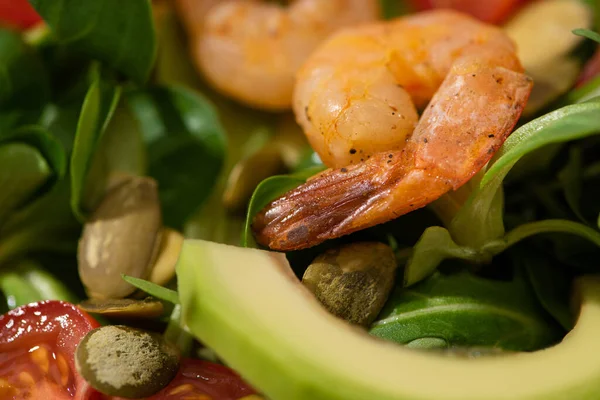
<point>248,306</point>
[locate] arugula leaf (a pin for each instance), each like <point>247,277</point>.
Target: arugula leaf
<point>97,110</point>
<point>477,222</point>
<point>435,246</point>
<point>595,36</point>
<point>550,283</point>
<point>186,147</point>
<point>544,226</point>
<point>466,310</point>
<point>160,292</point>
<point>571,177</point>
<point>267,191</point>
<point>23,79</point>
<point>118,33</point>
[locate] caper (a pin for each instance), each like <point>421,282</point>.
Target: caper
<point>123,308</point>
<point>163,269</point>
<point>126,362</point>
<point>248,173</point>
<point>353,281</point>
<point>120,238</point>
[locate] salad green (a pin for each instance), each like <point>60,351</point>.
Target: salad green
<point>104,92</point>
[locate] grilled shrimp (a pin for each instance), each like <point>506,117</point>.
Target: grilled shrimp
<point>357,99</point>
<point>251,50</point>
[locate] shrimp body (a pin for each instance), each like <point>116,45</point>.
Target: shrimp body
<point>251,50</point>
<point>357,99</point>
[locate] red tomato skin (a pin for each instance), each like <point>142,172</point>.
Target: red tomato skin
<point>198,377</point>
<point>52,329</point>
<point>590,70</point>
<point>58,327</point>
<point>18,14</point>
<point>491,11</point>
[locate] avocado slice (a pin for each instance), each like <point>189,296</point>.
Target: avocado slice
<point>250,308</point>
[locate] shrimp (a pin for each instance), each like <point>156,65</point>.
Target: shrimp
<point>251,50</point>
<point>357,99</point>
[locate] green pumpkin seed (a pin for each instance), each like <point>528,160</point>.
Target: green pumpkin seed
<point>126,362</point>
<point>120,238</point>
<point>124,308</point>
<point>354,281</point>
<point>163,270</point>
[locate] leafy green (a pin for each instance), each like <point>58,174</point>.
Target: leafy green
<point>186,147</point>
<point>30,163</point>
<point>22,171</point>
<point>588,34</point>
<point>47,224</point>
<point>153,289</point>
<point>267,191</point>
<point>26,282</point>
<point>97,110</point>
<point>23,78</point>
<point>550,283</point>
<point>571,177</point>
<point>17,290</point>
<point>434,246</point>
<point>478,222</point>
<point>463,309</point>
<point>120,34</point>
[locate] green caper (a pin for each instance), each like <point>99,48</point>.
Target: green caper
<point>124,308</point>
<point>126,362</point>
<point>120,237</point>
<point>354,281</point>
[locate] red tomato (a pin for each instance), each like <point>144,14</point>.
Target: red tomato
<point>590,70</point>
<point>37,344</point>
<point>197,378</point>
<point>18,14</point>
<point>492,11</point>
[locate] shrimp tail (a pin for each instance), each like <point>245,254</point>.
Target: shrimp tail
<point>466,122</point>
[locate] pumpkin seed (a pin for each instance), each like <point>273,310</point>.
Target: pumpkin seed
<point>124,308</point>
<point>163,269</point>
<point>353,281</point>
<point>120,238</point>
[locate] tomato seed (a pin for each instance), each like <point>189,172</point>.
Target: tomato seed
<point>181,389</point>
<point>40,357</point>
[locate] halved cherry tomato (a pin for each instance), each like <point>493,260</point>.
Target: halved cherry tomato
<point>37,344</point>
<point>18,14</point>
<point>199,379</point>
<point>492,11</point>
<point>590,70</point>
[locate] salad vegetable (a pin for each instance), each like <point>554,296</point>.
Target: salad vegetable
<point>261,200</point>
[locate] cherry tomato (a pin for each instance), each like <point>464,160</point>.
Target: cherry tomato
<point>590,70</point>
<point>37,343</point>
<point>492,11</point>
<point>199,379</point>
<point>37,346</point>
<point>18,13</point>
